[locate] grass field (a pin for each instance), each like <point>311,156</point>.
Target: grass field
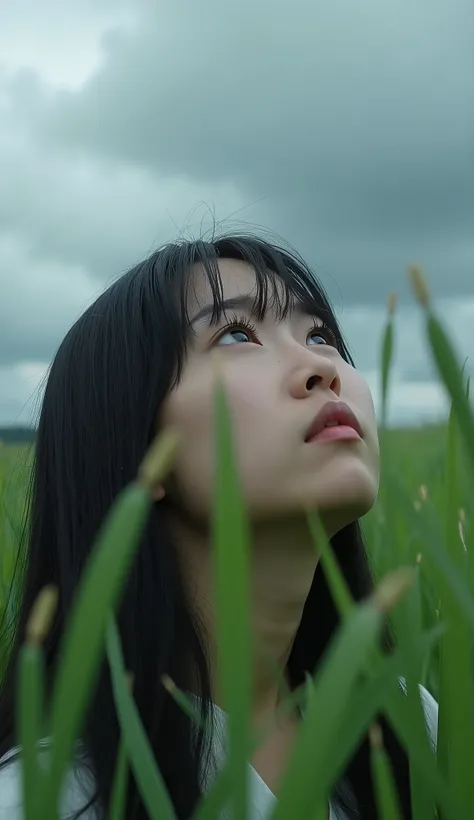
<point>15,468</point>
<point>417,454</point>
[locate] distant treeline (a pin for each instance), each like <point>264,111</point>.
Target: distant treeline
<point>17,435</point>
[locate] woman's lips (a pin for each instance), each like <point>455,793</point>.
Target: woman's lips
<point>334,415</point>
<point>337,432</point>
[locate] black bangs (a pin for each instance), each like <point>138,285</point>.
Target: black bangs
<point>282,279</point>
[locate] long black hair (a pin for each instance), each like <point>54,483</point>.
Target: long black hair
<point>104,390</point>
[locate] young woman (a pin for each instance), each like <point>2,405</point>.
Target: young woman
<point>141,358</point>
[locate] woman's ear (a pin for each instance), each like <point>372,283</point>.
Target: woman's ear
<point>159,493</point>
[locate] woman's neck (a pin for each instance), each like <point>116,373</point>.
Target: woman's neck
<point>283,563</point>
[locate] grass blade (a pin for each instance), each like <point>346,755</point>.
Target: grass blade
<point>407,621</point>
<point>98,594</point>
<point>30,711</point>
<point>335,579</point>
<point>119,786</point>
<point>119,789</point>
<point>231,555</point>
<point>142,761</point>
<point>371,696</point>
<point>456,689</point>
<point>31,697</point>
<point>397,711</point>
<point>446,362</point>
<point>303,786</point>
<point>386,357</point>
<point>386,794</point>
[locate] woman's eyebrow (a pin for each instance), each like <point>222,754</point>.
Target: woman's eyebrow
<point>247,302</point>
<point>244,302</point>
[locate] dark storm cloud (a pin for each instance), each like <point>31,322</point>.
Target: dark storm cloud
<point>347,128</point>
<point>355,124</point>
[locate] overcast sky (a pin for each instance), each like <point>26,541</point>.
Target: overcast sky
<point>344,126</point>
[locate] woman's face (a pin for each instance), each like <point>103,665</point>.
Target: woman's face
<point>278,375</point>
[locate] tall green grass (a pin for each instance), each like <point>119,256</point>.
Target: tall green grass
<point>420,538</point>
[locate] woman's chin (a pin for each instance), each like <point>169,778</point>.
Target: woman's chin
<point>346,494</point>
<point>339,498</point>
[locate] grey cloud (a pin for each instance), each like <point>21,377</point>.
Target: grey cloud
<point>355,125</point>
<point>87,211</point>
<point>40,300</point>
<point>345,128</point>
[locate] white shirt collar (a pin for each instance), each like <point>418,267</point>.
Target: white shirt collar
<point>262,799</point>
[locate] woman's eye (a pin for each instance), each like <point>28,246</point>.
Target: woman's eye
<point>231,336</point>
<point>322,335</point>
<point>316,338</point>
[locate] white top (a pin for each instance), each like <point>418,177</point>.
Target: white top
<point>78,785</point>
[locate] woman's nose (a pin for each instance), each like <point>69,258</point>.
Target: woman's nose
<point>318,371</point>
